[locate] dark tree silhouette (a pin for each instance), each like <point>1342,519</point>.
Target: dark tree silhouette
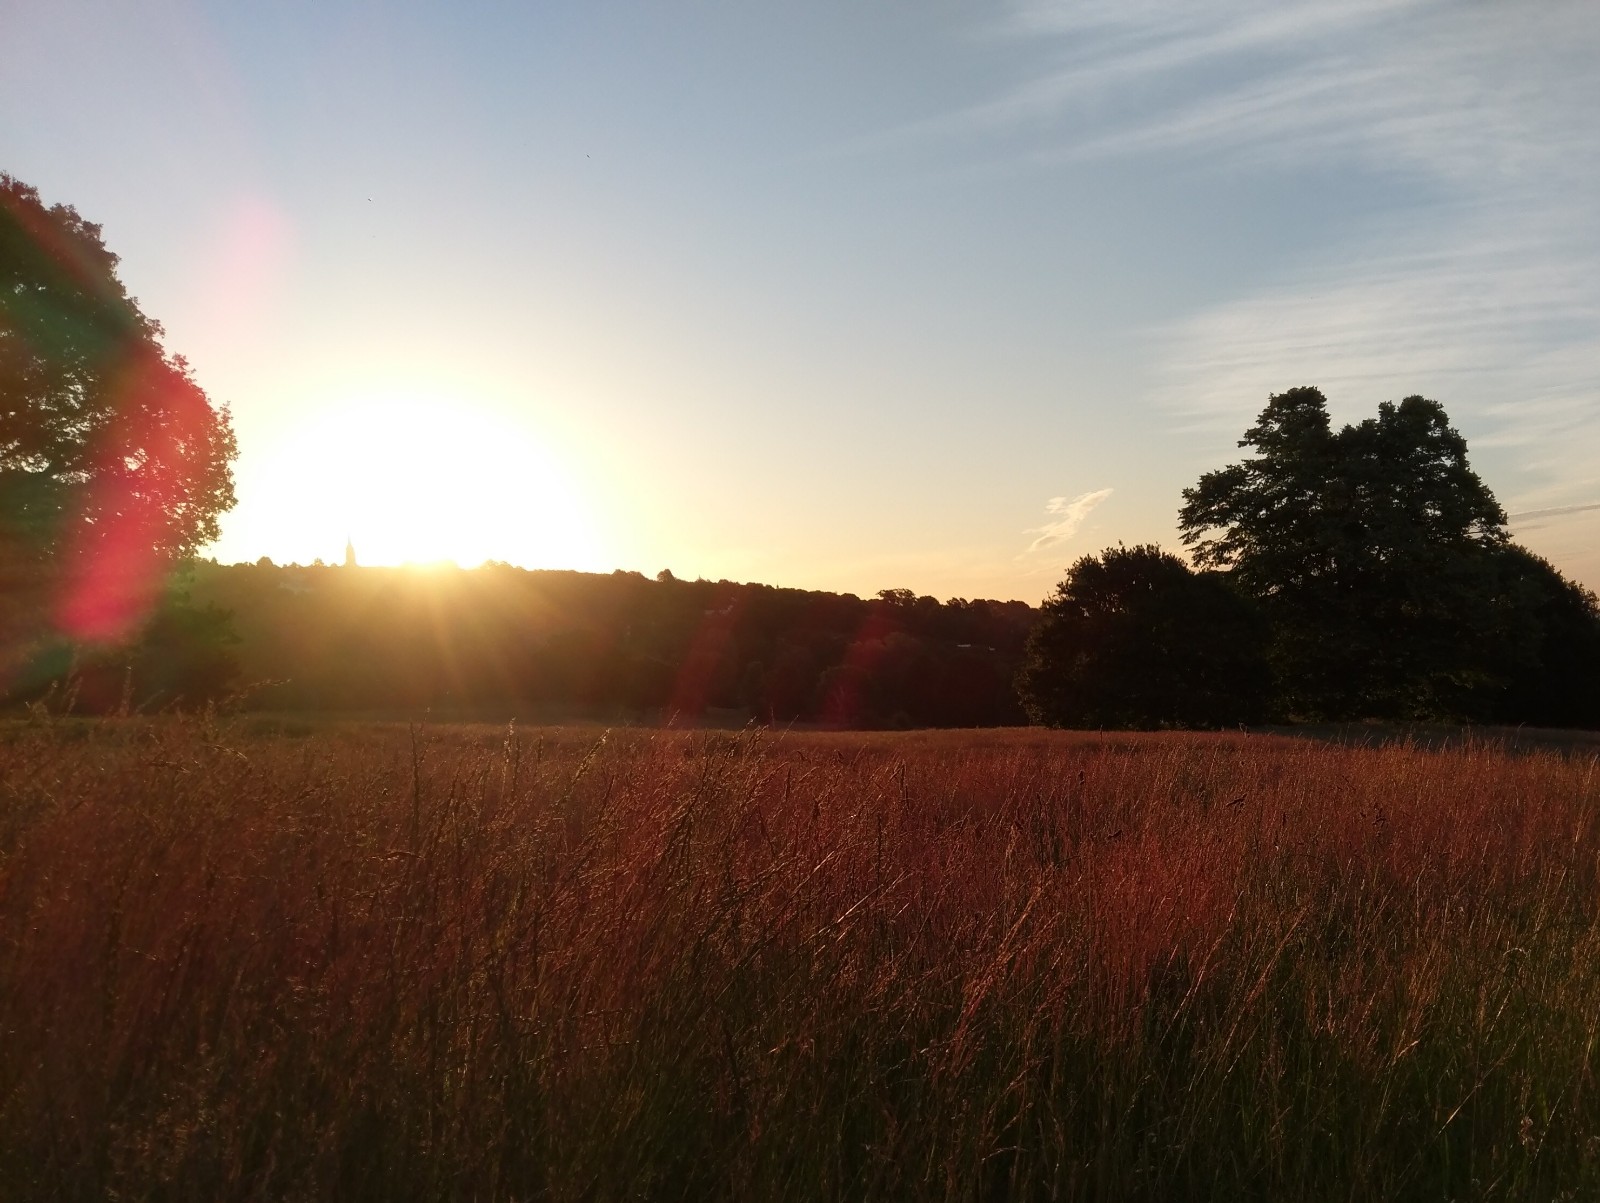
<point>113,462</point>
<point>1550,638</point>
<point>1132,638</point>
<point>1373,550</point>
<point>184,658</point>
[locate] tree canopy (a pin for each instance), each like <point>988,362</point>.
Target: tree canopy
<point>1551,665</point>
<point>113,461</point>
<point>1134,638</point>
<point>1316,507</point>
<point>1383,564</point>
<point>498,641</point>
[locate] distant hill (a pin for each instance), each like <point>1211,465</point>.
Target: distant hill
<point>504,640</point>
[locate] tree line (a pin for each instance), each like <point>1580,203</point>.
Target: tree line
<point>1351,574</point>
<point>504,641</point>
<point>1358,573</point>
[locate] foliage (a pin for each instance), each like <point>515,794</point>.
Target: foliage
<point>1133,638</point>
<point>1372,549</point>
<point>503,641</point>
<point>1552,667</point>
<point>183,659</point>
<point>113,462</point>
<point>373,963</point>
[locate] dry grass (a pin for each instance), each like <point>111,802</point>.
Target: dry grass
<point>455,964</point>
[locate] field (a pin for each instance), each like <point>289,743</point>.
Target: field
<point>241,960</point>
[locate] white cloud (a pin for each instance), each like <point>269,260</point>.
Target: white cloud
<point>1068,516</point>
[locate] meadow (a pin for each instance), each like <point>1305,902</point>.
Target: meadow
<point>242,959</point>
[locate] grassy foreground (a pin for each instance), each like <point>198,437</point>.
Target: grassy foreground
<point>381,964</point>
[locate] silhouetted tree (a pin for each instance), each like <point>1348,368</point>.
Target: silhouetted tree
<point>1550,636</point>
<point>1133,638</point>
<point>183,659</point>
<point>185,656</point>
<point>113,462</point>
<point>1372,549</point>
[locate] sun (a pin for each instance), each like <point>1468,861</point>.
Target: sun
<point>421,480</point>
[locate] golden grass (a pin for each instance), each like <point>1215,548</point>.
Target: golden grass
<point>464,963</point>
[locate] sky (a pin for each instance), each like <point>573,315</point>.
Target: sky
<point>835,295</point>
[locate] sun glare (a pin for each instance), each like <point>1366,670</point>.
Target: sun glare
<point>422,481</point>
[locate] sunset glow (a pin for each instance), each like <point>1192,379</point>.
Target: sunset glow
<point>420,480</point>
<point>496,281</point>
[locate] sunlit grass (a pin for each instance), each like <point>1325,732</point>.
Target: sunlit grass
<point>372,962</point>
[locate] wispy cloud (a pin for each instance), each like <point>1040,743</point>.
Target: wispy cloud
<point>1555,511</point>
<point>1144,65</point>
<point>1503,328</point>
<point>1487,297</point>
<point>1068,516</point>
<point>1453,90</point>
<point>1481,289</point>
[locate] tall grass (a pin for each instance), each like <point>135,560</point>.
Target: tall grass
<point>382,963</point>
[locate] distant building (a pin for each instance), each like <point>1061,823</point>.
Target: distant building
<point>349,552</point>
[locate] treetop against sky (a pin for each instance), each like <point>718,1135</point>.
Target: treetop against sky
<point>838,296</point>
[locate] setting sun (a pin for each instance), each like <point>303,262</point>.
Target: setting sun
<point>418,480</point>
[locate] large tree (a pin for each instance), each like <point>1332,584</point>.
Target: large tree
<point>1551,650</point>
<point>1133,638</point>
<point>1375,550</point>
<point>113,462</point>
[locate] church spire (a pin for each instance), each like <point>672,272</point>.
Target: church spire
<point>349,552</point>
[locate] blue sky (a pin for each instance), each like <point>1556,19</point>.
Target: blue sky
<point>834,295</point>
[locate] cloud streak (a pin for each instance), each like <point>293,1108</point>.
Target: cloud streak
<point>1458,92</point>
<point>1486,296</point>
<point>1555,511</point>
<point>1476,282</point>
<point>1068,516</point>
